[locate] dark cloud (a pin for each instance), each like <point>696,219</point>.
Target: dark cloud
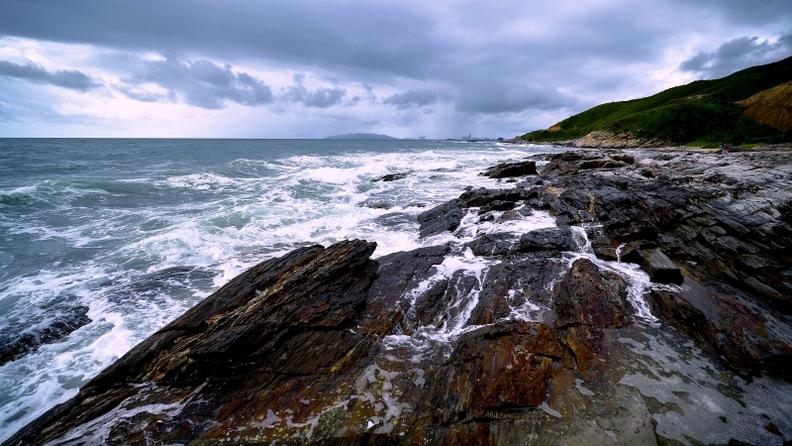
<point>737,54</point>
<point>199,82</point>
<point>413,98</point>
<point>369,36</point>
<point>74,80</point>
<point>506,98</point>
<point>320,97</point>
<point>752,12</point>
<point>523,63</point>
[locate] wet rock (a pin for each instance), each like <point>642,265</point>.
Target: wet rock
<point>600,243</point>
<point>433,346</point>
<point>551,239</point>
<point>492,244</point>
<point>392,177</point>
<point>232,345</point>
<point>496,205</point>
<point>497,368</point>
<point>507,170</point>
<point>445,217</point>
<point>652,260</point>
<point>659,267</point>
<point>18,341</point>
<point>728,326</point>
<point>588,296</point>
<point>483,196</point>
<point>448,216</point>
<point>586,302</point>
<point>624,158</point>
<point>386,307</point>
<point>600,164</point>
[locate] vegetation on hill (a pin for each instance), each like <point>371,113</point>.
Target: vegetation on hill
<point>705,112</point>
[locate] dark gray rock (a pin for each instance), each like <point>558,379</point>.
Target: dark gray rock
<point>392,177</point>
<point>507,170</point>
<point>445,217</point>
<point>552,239</point>
<point>659,267</point>
<point>497,244</point>
<point>17,341</point>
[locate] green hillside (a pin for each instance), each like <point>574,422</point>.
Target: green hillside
<point>706,112</point>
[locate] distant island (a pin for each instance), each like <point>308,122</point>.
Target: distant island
<point>364,136</point>
<point>751,106</point>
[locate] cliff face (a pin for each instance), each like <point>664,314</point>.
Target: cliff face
<point>772,107</point>
<point>519,325</point>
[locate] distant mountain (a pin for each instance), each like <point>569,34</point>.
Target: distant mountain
<point>367,136</point>
<point>750,106</point>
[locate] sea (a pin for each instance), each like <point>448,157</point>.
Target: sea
<point>139,230</point>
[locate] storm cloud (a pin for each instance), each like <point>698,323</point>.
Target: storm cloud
<point>200,82</point>
<point>413,98</point>
<point>319,97</point>
<point>737,54</point>
<point>409,67</point>
<point>71,79</point>
<point>504,99</point>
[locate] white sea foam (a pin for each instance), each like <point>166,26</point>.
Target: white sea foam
<point>223,222</point>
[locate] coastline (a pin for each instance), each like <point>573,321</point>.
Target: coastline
<point>543,299</point>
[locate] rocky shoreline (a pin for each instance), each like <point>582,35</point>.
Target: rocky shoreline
<point>597,296</point>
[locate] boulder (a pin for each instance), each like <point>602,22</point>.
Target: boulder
<point>506,170</point>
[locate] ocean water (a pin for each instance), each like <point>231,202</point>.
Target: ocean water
<point>139,231</point>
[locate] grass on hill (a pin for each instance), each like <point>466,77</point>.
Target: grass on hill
<point>705,112</point>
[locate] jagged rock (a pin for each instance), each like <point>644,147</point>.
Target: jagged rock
<point>17,341</point>
<point>232,345</point>
<point>600,243</point>
<point>385,308</point>
<point>433,346</point>
<point>445,217</point>
<point>507,170</point>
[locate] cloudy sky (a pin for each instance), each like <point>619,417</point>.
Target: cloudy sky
<point>303,68</point>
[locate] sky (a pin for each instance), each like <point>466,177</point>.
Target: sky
<point>407,68</point>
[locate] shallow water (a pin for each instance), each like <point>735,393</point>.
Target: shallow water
<point>140,230</point>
